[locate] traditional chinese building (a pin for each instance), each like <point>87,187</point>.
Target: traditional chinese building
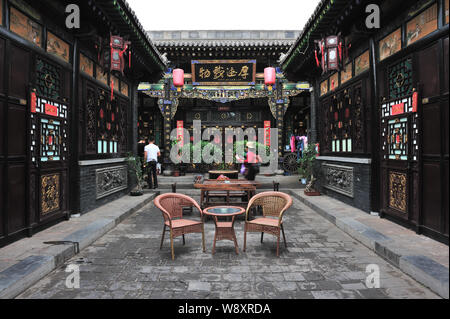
<point>381,106</point>
<point>67,111</point>
<point>224,86</point>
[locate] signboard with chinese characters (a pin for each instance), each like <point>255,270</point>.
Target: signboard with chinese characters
<point>267,133</point>
<point>223,72</point>
<point>180,133</point>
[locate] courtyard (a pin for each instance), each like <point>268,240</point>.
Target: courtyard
<point>320,262</point>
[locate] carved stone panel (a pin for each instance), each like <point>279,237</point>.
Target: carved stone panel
<point>338,178</point>
<point>111,180</point>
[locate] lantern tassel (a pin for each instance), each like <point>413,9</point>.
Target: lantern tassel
<point>129,59</point>
<point>317,59</point>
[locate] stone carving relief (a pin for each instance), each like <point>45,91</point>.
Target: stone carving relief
<point>111,180</point>
<point>338,178</point>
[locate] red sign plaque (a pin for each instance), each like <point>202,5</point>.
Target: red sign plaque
<point>51,110</point>
<point>398,109</point>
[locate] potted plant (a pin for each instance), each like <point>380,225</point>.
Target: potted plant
<point>135,168</point>
<point>305,170</point>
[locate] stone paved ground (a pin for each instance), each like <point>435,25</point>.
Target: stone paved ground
<point>320,261</point>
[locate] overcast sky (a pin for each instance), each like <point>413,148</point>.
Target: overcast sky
<point>223,14</point>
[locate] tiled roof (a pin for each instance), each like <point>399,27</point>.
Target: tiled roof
<point>223,43</point>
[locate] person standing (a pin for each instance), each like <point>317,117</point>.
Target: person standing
<point>151,153</point>
<point>250,161</point>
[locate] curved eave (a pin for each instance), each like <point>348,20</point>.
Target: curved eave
<point>317,25</point>
<point>121,14</point>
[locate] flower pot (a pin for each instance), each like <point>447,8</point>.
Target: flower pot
<point>136,193</point>
<point>176,173</point>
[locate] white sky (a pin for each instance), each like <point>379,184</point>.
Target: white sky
<point>223,14</point>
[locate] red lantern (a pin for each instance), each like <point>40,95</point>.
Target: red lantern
<point>178,78</point>
<point>118,47</point>
<point>333,53</point>
<point>269,77</point>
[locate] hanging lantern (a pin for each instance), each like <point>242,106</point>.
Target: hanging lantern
<point>118,46</point>
<point>332,53</point>
<point>178,78</point>
<point>333,58</point>
<point>269,77</point>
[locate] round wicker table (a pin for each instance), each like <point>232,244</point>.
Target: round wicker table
<point>224,229</point>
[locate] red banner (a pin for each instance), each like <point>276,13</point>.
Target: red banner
<point>415,101</point>
<point>398,109</point>
<point>33,102</point>
<point>180,135</point>
<point>51,110</point>
<point>267,133</point>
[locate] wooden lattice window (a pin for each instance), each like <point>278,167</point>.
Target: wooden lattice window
<point>52,145</point>
<point>48,79</point>
<point>111,124</point>
<point>398,139</point>
<point>342,122</point>
<point>340,117</point>
<point>400,79</point>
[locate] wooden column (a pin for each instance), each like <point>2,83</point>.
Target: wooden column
<point>280,126</point>
<point>75,124</point>
<point>375,197</point>
<point>313,113</point>
<point>167,129</point>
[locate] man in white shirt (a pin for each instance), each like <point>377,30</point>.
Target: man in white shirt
<point>151,153</point>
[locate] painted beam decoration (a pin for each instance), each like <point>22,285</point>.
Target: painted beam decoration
<point>223,94</point>
<point>223,72</point>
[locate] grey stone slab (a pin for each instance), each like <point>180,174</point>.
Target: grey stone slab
<point>429,272</point>
<point>25,273</point>
<point>199,286</point>
<point>383,245</point>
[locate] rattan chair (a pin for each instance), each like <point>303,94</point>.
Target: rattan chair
<point>172,205</point>
<point>273,205</point>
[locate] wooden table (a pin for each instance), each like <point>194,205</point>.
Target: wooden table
<point>226,189</point>
<point>224,230</point>
<point>232,174</point>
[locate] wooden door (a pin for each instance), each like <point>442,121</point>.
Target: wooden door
<point>414,140</point>
<point>432,76</point>
<point>400,144</point>
<point>33,141</point>
<point>49,141</point>
<point>14,67</point>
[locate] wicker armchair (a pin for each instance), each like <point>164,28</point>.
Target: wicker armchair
<point>172,205</point>
<point>273,205</point>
